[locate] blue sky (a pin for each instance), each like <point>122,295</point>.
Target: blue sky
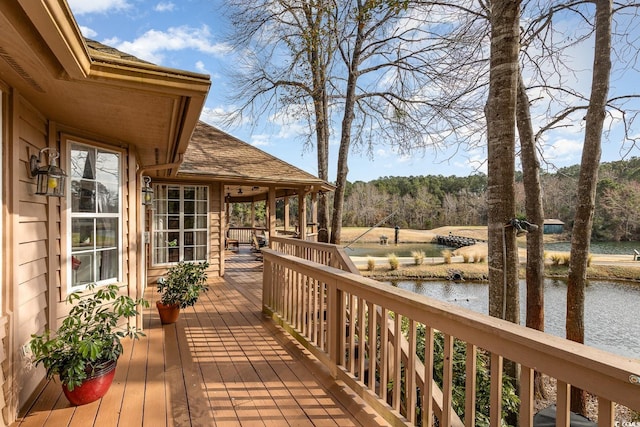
<point>189,35</point>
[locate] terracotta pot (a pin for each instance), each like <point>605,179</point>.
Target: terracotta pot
<point>168,313</point>
<point>93,388</point>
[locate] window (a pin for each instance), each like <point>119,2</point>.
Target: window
<point>96,207</point>
<point>180,223</point>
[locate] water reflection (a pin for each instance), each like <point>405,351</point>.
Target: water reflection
<point>612,322</point>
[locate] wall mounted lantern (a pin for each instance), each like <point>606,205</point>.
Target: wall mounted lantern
<point>50,180</point>
<point>147,191</point>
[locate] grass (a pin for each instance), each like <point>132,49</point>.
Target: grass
<point>480,271</point>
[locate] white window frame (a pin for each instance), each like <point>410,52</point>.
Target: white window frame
<point>90,253</point>
<point>173,250</point>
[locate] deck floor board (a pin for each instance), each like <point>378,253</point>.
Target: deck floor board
<point>222,364</point>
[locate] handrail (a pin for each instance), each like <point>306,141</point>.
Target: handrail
<point>322,253</point>
<point>243,234</point>
<point>332,313</point>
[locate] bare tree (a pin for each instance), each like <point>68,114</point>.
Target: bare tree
<point>581,236</point>
<point>501,116</point>
<point>288,48</point>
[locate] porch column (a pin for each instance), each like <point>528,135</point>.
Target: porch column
<point>253,214</point>
<point>314,213</point>
<point>287,223</point>
<point>302,213</point>
<point>271,219</point>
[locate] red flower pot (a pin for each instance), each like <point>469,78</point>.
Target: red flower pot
<point>168,313</point>
<point>93,388</point>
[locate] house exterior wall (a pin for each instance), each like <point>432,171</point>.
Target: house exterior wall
<point>34,263</point>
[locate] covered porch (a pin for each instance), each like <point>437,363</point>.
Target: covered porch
<point>222,364</point>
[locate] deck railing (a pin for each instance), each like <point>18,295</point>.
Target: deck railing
<point>322,253</point>
<point>244,235</point>
<point>340,317</point>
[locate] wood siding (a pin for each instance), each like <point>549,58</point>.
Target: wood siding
<point>34,265</point>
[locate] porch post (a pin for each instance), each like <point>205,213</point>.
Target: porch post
<point>287,222</point>
<point>271,223</point>
<point>302,213</point>
<point>314,213</point>
<point>253,214</point>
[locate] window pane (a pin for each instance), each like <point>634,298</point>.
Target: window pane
<point>108,198</point>
<point>189,207</point>
<point>173,193</point>
<point>108,167</point>
<point>82,269</point>
<point>201,193</point>
<point>201,253</point>
<point>201,238</point>
<point>174,254</point>
<point>173,206</point>
<point>189,193</point>
<point>189,222</point>
<point>188,238</point>
<point>107,233</point>
<point>82,162</point>
<point>81,233</point>
<point>173,222</point>
<point>83,196</point>
<point>201,207</point>
<point>189,254</point>
<point>107,264</point>
<point>201,221</point>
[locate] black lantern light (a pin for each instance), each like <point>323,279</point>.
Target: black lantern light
<point>147,192</point>
<point>50,180</point>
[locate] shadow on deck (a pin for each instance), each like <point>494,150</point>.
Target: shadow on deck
<point>221,364</point>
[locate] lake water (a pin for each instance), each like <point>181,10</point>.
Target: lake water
<point>435,250</point>
<point>612,310</point>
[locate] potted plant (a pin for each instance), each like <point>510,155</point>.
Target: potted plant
<point>84,350</point>
<point>180,288</point>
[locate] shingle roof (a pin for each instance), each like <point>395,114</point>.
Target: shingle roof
<point>217,154</point>
<point>97,49</point>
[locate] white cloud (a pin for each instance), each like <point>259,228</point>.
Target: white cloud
<point>152,44</point>
<point>201,68</point>
<point>81,7</point>
<point>165,6</point>
<point>87,32</point>
<point>260,140</point>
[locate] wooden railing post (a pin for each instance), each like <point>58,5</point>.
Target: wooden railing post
<point>335,325</point>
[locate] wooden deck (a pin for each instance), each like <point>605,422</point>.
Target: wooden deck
<point>222,364</point>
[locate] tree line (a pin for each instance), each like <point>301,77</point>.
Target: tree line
<point>431,201</point>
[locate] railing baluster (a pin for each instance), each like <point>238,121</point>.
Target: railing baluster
<point>563,397</point>
<point>526,396</point>
<point>427,393</point>
<point>384,352</point>
<point>447,380</point>
<point>397,363</point>
<point>373,344</point>
<point>352,333</point>
<point>495,412</point>
<point>470,385</point>
<point>411,373</point>
<point>606,413</point>
<point>361,341</point>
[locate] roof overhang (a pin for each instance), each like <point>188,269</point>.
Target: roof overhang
<point>121,101</point>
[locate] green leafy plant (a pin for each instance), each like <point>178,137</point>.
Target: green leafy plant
<point>89,337</point>
<point>183,284</point>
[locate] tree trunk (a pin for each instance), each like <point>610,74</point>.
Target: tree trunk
<point>501,116</point>
<point>587,184</point>
<point>535,215</point>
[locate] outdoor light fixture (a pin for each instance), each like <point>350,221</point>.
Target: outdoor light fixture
<point>147,191</point>
<point>50,180</point>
